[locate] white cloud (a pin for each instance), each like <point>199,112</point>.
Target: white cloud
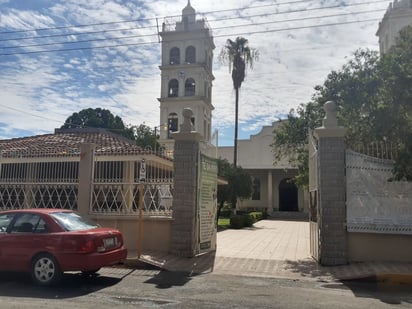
<point>23,20</point>
<point>126,79</point>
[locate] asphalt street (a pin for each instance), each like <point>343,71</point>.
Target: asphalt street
<point>155,288</point>
<point>267,266</point>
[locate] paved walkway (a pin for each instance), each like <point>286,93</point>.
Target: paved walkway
<point>272,248</point>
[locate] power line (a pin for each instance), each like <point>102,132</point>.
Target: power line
<point>155,18</point>
<point>219,28</point>
<point>28,113</point>
<point>76,26</point>
<point>81,41</point>
<point>54,120</point>
<point>75,34</point>
<point>210,12</point>
<point>77,49</point>
<point>299,19</point>
<point>299,28</point>
<point>156,42</point>
<point>138,20</point>
<point>148,35</point>
<point>266,14</point>
<point>295,2</point>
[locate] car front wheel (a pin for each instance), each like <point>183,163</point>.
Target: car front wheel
<point>45,270</point>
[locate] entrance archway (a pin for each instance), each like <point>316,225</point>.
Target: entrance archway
<point>288,196</point>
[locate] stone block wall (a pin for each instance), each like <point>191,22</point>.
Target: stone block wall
<point>331,186</point>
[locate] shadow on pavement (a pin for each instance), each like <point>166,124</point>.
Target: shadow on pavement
<point>392,292</point>
<point>308,268</point>
<point>369,287</point>
<point>169,279</point>
<point>71,285</point>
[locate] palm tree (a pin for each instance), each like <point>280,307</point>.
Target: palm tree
<point>240,56</point>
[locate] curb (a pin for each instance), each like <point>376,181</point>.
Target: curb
<point>137,263</point>
<point>393,278</point>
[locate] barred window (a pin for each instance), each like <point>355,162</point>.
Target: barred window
<point>190,56</point>
<point>173,88</point>
<point>190,87</point>
<point>174,56</point>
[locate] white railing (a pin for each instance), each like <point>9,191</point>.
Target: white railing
<point>25,183</point>
<point>30,181</point>
<point>34,195</point>
<point>123,198</point>
<point>116,187</point>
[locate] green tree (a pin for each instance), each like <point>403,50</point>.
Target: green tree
<point>240,56</point>
<point>395,68</point>
<point>291,137</point>
<point>239,185</point>
<point>374,99</point>
<point>142,134</point>
<point>145,136</point>
<point>98,118</point>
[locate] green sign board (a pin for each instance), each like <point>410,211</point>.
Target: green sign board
<point>207,202</point>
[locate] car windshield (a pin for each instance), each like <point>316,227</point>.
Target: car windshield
<point>71,221</point>
<point>4,222</point>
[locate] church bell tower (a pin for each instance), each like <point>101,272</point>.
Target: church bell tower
<point>397,16</point>
<point>186,75</point>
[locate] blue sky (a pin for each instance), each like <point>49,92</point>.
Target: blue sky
<point>50,67</point>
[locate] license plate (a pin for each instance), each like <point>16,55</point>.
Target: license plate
<point>109,242</point>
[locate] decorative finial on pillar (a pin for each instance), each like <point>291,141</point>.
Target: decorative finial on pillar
<point>330,126</point>
<point>187,125</point>
<point>330,120</point>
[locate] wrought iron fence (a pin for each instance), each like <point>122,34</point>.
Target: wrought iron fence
<point>31,181</point>
<point>123,198</point>
<point>378,149</point>
<point>25,183</point>
<point>117,186</point>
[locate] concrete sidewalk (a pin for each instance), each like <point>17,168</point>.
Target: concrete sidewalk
<point>273,248</point>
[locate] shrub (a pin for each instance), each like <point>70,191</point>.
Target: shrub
<point>245,219</point>
<point>257,215</point>
<point>236,222</point>
<point>248,220</point>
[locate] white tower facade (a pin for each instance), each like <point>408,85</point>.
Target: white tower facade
<point>397,16</point>
<point>186,75</point>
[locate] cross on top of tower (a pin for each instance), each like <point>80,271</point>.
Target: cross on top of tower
<point>188,10</point>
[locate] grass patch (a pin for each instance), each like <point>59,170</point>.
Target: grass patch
<point>223,223</point>
<point>239,221</point>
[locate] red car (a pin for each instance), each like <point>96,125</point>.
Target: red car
<point>48,242</point>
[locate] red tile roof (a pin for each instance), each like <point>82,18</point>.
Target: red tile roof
<point>67,143</point>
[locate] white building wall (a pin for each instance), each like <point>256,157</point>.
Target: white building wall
<point>255,155</point>
<point>256,152</point>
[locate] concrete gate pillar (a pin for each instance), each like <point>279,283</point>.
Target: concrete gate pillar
<point>86,170</point>
<point>186,161</point>
<point>331,186</point>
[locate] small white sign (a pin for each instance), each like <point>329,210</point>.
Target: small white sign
<point>142,172</point>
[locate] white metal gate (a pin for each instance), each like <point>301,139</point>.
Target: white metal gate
<point>314,214</point>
